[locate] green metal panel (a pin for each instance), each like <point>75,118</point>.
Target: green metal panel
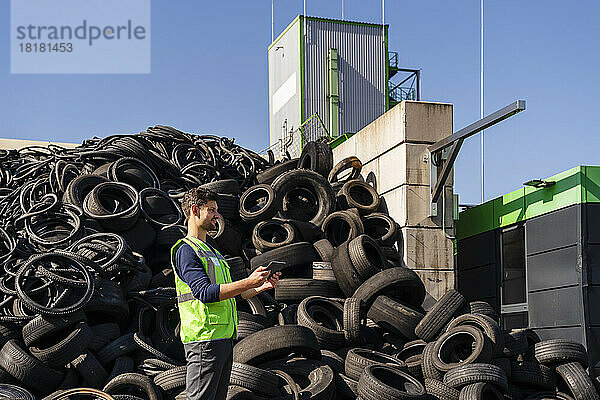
<point>575,186</point>
<point>565,192</point>
<point>333,93</point>
<point>591,184</point>
<point>510,208</point>
<point>476,220</point>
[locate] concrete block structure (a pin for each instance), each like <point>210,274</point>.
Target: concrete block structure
<point>393,150</point>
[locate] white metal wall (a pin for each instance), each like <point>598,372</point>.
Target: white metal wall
<point>284,83</point>
<point>361,68</point>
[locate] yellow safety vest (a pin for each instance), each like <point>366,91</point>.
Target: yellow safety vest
<point>204,321</point>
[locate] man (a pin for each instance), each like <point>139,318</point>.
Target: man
<point>205,296</point>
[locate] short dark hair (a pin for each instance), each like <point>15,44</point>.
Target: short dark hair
<point>198,196</point>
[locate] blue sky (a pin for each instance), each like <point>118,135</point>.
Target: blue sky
<point>209,75</point>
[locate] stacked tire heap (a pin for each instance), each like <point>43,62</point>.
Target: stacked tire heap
<point>88,297</point>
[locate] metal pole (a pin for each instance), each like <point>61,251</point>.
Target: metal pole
<point>481,115</point>
<point>304,17</point>
<point>342,9</point>
<point>419,85</point>
<point>383,17</point>
<point>272,23</point>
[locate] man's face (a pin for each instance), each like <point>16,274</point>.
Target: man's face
<point>206,215</point>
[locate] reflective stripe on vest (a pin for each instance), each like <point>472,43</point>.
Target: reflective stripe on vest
<point>204,321</point>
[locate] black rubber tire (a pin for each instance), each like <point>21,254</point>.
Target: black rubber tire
<point>412,348</point>
<point>297,256</point>
<point>111,220</point>
<point>360,195</point>
<point>275,342</point>
<point>27,369</point>
<point>325,249</point>
<point>103,334</point>
<point>358,359</point>
<point>227,238</point>
<point>395,317</point>
<point>401,284</point>
<point>317,156</point>
<point>333,360</point>
<point>346,275</point>
<point>439,315</point>
<point>235,393</point>
<point>272,234</point>
<point>223,186</point>
<point>298,289</point>
<point>481,391</point>
<point>43,325</point>
<point>171,379</point>
<point>79,188</point>
<point>461,346</point>
<point>93,373</point>
<point>259,381</point>
<point>366,256</point>
<point>258,203</point>
<point>66,349</point>
<point>381,227</point>
<point>108,302</point>
<point>346,386</point>
<point>133,379</point>
<point>341,226</point>
<point>515,343</point>
<point>381,382</point>
<point>269,174</point>
<point>428,369</point>
<point>13,392</point>
<point>487,325</point>
<point>532,374</point>
<point>308,181</point>
<point>440,391</point>
<point>121,365</point>
<point>464,375</point>
<point>351,162</point>
<point>118,347</point>
<point>355,315</point>
<point>483,308</point>
<point>325,318</point>
<point>578,381</point>
<point>229,206</point>
<point>317,374</point>
<point>560,351</point>
<point>504,363</point>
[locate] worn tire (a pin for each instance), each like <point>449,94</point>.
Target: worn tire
<point>317,156</point>
<point>440,391</point>
<point>269,235</point>
<point>401,284</point>
<point>439,315</point>
<point>325,249</point>
<point>464,375</point>
<point>481,391</point>
<point>360,195</point>
<point>560,351</point>
<point>133,379</point>
<point>90,369</point>
<point>298,289</point>
<point>358,359</point>
<point>325,318</point>
<point>381,227</point>
<point>275,342</point>
<point>355,314</point>
<point>394,316</point>
<point>258,380</point>
<point>307,181</point>
<point>451,348</point>
<point>532,374</point>
<point>341,226</point>
<point>381,382</point>
<point>271,173</point>
<point>366,256</point>
<point>258,203</point>
<point>487,325</point>
<point>171,379</point>
<point>578,381</point>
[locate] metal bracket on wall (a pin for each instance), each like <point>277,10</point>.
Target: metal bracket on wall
<point>443,153</point>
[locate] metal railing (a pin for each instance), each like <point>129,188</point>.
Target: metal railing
<point>393,59</point>
<point>403,93</point>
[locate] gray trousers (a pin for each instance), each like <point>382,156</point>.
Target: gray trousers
<point>208,369</point>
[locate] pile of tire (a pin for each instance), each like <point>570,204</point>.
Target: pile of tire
<point>89,308</point>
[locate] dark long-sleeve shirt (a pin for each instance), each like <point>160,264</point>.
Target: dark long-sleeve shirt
<point>190,269</point>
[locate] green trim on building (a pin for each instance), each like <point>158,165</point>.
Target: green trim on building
<point>575,186</point>
<point>344,22</point>
<point>301,38</point>
<point>284,31</point>
<point>332,63</point>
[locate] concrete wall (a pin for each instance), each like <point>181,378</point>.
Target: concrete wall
<point>392,149</point>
